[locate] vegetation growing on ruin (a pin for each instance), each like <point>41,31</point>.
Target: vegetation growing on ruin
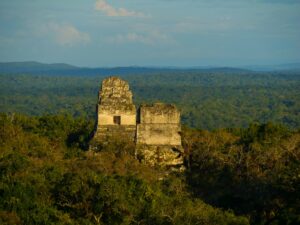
<point>233,176</point>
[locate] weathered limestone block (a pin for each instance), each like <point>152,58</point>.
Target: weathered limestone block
<point>116,113</point>
<point>115,97</point>
<point>159,134</point>
<point>161,155</point>
<point>159,113</point>
<point>158,137</point>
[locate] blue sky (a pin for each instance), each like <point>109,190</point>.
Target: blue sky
<point>109,33</point>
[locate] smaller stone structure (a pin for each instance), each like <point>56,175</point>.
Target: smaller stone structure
<point>158,139</point>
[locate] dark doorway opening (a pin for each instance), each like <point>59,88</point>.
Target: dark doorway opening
<point>117,120</point>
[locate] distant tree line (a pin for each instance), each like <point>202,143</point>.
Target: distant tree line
<point>207,100</point>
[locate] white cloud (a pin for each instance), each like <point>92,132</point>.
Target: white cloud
<point>109,10</point>
<point>66,34</point>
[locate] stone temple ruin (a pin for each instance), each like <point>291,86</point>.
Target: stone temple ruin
<point>153,128</point>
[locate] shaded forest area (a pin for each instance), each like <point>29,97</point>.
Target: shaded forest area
<point>233,176</point>
<point>207,100</point>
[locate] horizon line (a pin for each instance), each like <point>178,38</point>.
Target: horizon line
<point>157,66</point>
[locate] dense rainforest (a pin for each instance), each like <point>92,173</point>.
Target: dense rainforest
<point>207,100</point>
<point>240,135</point>
<point>233,176</point>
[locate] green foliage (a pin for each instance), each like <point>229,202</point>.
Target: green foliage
<point>117,145</point>
<point>264,133</point>
<point>12,163</point>
<point>253,171</point>
<point>233,176</point>
<point>207,100</point>
<point>108,187</point>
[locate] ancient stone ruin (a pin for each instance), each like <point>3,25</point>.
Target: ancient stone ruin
<point>116,113</point>
<point>154,128</point>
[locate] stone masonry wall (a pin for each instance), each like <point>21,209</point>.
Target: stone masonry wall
<point>155,132</point>
<point>159,113</point>
<point>116,113</point>
<point>158,137</point>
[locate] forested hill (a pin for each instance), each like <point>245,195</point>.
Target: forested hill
<point>34,67</point>
<point>66,69</point>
